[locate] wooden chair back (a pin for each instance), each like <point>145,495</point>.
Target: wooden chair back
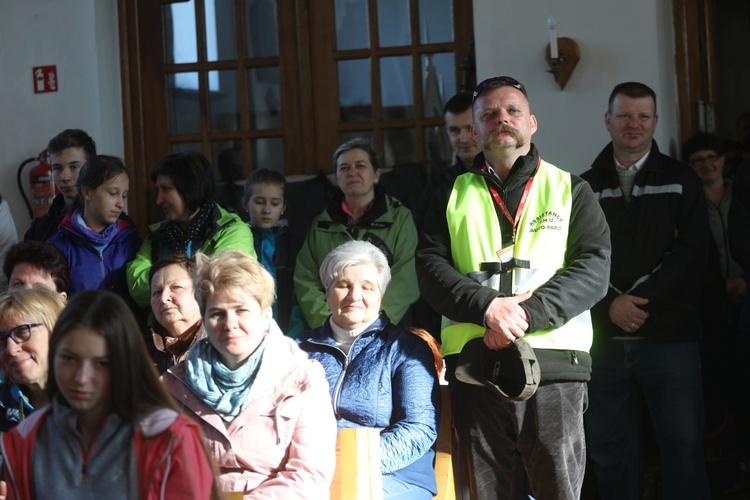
<point>358,476</point>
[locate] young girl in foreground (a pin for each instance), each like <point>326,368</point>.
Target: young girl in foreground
<point>111,430</point>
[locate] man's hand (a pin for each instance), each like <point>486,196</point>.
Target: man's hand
<point>3,490</point>
<point>506,321</point>
<point>626,313</point>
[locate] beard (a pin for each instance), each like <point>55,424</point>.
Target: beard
<point>504,129</point>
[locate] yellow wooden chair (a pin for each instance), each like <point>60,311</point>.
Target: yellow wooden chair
<point>358,476</point>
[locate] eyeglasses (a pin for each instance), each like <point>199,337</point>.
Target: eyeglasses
<point>701,159</point>
<point>19,334</point>
<point>496,82</point>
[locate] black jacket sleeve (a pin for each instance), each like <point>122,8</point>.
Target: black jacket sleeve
<point>442,286</point>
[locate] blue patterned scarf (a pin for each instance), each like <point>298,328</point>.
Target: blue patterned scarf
<point>226,391</point>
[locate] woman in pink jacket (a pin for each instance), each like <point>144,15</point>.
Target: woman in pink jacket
<point>111,430</point>
<point>263,406</point>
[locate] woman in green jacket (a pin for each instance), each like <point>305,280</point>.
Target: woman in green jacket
<point>359,211</point>
<point>185,185</point>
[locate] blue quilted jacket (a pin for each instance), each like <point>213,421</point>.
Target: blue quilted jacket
<point>387,381</point>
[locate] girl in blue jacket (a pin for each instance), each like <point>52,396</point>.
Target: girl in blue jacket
<point>99,238</point>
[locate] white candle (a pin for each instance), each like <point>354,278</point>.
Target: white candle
<point>552,37</point>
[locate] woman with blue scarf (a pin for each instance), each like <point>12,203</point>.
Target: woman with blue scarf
<point>99,239</point>
<point>262,404</point>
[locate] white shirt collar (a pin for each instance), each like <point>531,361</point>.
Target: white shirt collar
<point>635,167</point>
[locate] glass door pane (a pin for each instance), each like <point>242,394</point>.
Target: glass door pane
<point>184,103</point>
<point>438,82</point>
<point>265,97</point>
<point>261,33</point>
<point>224,101</point>
<point>181,41</point>
<point>393,23</point>
<point>396,88</point>
<point>435,21</point>
<point>352,24</point>
<point>221,38</point>
<point>355,91</point>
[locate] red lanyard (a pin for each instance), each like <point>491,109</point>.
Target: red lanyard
<point>521,204</point>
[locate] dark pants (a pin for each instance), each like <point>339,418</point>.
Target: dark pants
<point>502,442</point>
<point>668,375</point>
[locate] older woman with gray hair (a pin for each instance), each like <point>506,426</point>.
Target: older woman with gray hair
<point>379,374</point>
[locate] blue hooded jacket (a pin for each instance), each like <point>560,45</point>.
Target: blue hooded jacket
<point>387,381</point>
<point>97,260</point>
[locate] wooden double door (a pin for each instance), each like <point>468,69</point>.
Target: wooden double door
<point>280,84</point>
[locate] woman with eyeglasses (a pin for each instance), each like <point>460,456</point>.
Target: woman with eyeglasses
<point>27,316</point>
<point>705,153</point>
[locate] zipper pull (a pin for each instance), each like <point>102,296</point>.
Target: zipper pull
<point>575,357</point>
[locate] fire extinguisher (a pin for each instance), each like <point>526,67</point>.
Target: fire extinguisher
<point>43,189</point>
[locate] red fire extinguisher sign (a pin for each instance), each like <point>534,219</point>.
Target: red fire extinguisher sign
<point>45,79</point>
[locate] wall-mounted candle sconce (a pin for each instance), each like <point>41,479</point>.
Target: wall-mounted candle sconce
<point>562,55</point>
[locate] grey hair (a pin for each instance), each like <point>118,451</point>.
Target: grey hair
<point>353,253</point>
<point>356,143</point>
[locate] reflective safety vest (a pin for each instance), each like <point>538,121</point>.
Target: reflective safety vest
<point>541,239</point>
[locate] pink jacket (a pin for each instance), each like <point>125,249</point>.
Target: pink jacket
<point>283,444</point>
<point>171,461</point>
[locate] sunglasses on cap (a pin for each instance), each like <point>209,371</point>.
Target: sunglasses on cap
<point>497,82</point>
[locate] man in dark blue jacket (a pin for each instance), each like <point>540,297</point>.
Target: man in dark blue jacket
<point>646,329</point>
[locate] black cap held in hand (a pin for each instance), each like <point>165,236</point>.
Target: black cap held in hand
<point>513,371</point>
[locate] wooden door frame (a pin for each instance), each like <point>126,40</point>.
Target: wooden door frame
<point>695,61</point>
<point>138,101</point>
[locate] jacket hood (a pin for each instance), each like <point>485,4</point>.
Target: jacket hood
<point>157,422</point>
<point>75,227</point>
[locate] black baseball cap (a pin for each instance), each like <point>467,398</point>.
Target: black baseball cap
<point>513,371</point>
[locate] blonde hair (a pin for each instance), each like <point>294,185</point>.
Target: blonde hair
<point>232,269</point>
<point>36,305</point>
